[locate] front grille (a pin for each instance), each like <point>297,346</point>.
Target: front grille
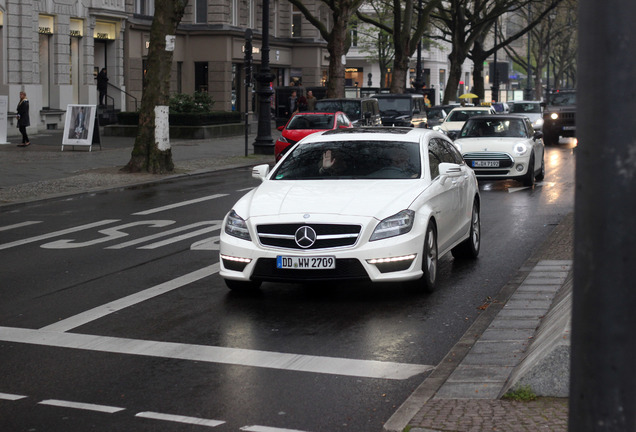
<point>327,235</point>
<point>505,160</point>
<point>346,269</point>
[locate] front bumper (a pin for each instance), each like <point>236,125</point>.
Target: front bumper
<point>401,256</point>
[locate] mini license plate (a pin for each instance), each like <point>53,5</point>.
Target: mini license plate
<point>306,263</point>
<point>569,127</point>
<point>485,164</point>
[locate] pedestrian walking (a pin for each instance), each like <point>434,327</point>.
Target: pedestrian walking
<point>102,86</point>
<point>23,119</point>
<point>311,101</point>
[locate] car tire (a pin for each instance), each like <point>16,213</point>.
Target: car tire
<point>528,178</point>
<point>541,174</point>
<point>242,286</point>
<point>428,281</point>
<point>469,248</point>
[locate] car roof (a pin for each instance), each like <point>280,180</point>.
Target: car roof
<point>397,95</point>
<point>344,99</point>
<point>471,108</point>
<point>499,117</point>
<point>377,133</point>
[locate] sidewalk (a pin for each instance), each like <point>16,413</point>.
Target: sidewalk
<point>524,329</point>
<point>43,170</point>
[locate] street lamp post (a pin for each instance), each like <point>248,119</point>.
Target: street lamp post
<point>495,84</point>
<point>419,80</point>
<point>264,144</point>
<point>528,92</point>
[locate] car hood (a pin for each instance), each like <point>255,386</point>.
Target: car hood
<point>451,125</point>
<point>298,134</point>
<point>366,198</point>
<point>469,145</point>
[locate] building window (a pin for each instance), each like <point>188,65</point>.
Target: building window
<point>201,11</point>
<point>179,77</point>
<point>201,76</point>
<point>251,13</point>
<point>354,35</point>
<point>145,7</point>
<point>296,22</point>
<point>235,12</point>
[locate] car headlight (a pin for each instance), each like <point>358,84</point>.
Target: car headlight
<point>395,225</point>
<point>236,226</point>
<point>538,123</point>
<point>520,149</point>
<point>283,139</point>
<point>554,116</point>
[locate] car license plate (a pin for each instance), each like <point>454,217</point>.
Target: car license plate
<point>485,164</point>
<point>569,127</point>
<point>306,263</point>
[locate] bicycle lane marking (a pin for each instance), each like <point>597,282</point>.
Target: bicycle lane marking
<point>57,233</point>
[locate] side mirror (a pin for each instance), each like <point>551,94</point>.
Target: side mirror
<point>280,128</point>
<point>537,135</point>
<point>448,170</point>
<point>452,135</point>
<point>260,172</point>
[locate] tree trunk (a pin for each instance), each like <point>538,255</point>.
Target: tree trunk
<point>146,155</point>
<point>454,75</point>
<point>337,49</point>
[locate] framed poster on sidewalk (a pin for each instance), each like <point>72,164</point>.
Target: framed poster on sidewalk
<point>81,121</point>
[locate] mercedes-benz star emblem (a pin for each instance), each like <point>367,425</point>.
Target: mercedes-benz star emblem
<point>305,237</point>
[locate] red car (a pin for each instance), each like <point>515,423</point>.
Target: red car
<point>302,124</point>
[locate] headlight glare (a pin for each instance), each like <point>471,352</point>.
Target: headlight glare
<point>554,116</point>
<point>395,225</point>
<point>538,123</point>
<point>236,226</point>
<point>520,149</point>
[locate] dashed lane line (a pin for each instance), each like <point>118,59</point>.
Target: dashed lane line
<point>179,419</point>
<point>82,406</point>
<point>214,354</point>
<point>19,225</point>
<point>11,397</point>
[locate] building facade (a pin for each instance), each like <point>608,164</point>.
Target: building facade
<point>53,50</point>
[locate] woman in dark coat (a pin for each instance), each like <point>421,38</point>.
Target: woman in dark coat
<point>23,119</point>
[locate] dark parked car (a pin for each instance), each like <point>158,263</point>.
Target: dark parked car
<point>361,111</point>
<point>436,114</point>
<point>559,116</point>
<point>406,109</point>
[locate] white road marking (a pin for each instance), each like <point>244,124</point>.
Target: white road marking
<point>165,233</point>
<point>179,419</point>
<point>257,428</point>
<point>57,233</point>
<point>82,406</point>
<point>114,306</point>
<point>19,225</point>
<point>110,234</point>
<point>211,243</point>
<point>11,397</point>
<point>181,204</point>
<point>212,354</point>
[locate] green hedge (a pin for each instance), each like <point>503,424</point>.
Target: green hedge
<point>186,119</point>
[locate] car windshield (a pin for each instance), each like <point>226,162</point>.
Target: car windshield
<point>493,128</point>
<point>435,113</point>
<point>316,121</point>
<point>526,108</point>
<point>395,106</point>
<point>562,99</point>
<point>463,115</point>
<point>351,160</point>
